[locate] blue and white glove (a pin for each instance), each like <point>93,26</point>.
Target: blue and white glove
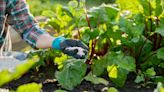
<point>71,47</point>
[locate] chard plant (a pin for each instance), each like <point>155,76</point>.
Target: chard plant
<point>125,37</point>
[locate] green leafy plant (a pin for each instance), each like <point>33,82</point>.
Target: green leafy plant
<point>125,37</point>
<point>72,73</point>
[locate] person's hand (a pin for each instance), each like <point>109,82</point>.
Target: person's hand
<point>71,47</point>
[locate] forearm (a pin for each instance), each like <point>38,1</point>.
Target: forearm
<point>44,41</point>
<point>21,19</point>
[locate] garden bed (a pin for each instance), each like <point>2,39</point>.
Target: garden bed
<point>50,85</point>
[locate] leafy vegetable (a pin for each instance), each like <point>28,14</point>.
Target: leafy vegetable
<point>72,73</point>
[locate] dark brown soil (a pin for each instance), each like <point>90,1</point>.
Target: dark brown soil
<point>50,85</point>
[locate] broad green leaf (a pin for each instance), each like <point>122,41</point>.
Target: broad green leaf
<point>150,72</point>
<point>112,89</point>
<point>110,58</point>
<point>31,87</point>
<point>133,26</point>
<point>98,66</point>
<point>124,24</point>
<point>160,30</point>
<point>114,35</point>
<point>96,80</point>
<point>158,9</point>
<point>112,71</point>
<point>149,61</point>
<point>160,53</point>
<point>125,62</point>
<point>67,11</point>
<point>94,33</point>
<point>138,29</point>
<point>103,14</point>
<point>120,80</point>
<point>145,7</point>
<point>72,73</point>
<point>147,48</point>
<point>85,34</point>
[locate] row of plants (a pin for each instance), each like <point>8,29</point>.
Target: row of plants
<point>123,38</point>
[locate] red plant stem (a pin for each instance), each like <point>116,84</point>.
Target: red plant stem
<point>139,54</point>
<point>78,32</point>
<point>142,46</point>
<point>89,61</point>
<point>146,29</point>
<point>103,51</point>
<point>88,21</point>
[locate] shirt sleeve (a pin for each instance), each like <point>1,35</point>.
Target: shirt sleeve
<point>21,20</point>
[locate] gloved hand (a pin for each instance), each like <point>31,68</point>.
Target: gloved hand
<point>71,47</point>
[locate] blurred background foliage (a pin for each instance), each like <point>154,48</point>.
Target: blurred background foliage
<point>38,6</point>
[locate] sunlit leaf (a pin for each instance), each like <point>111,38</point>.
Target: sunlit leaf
<point>150,72</point>
<point>121,77</point>
<point>112,71</point>
<point>31,87</point>
<point>112,89</point>
<point>59,61</point>
<point>125,62</point>
<point>132,5</point>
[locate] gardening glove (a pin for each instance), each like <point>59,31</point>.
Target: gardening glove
<point>74,48</point>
